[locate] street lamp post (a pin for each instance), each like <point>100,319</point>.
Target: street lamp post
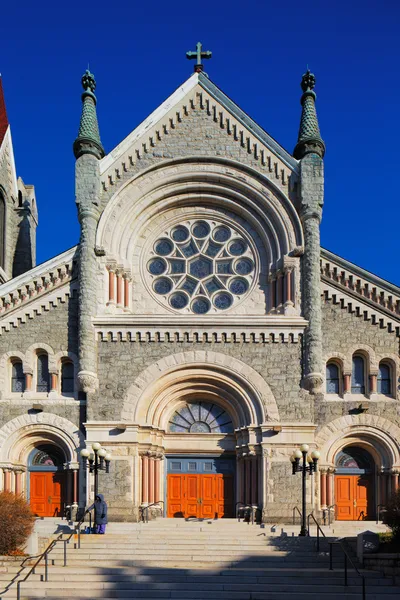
<point>304,469</point>
<point>99,460</point>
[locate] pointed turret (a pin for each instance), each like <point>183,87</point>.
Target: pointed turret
<point>88,140</point>
<point>309,139</point>
<point>3,114</point>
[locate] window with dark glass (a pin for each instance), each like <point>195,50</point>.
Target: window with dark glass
<point>67,377</point>
<point>384,379</point>
<point>43,376</point>
<point>17,377</point>
<point>332,378</point>
<point>358,375</point>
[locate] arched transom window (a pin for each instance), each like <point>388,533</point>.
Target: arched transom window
<point>201,266</point>
<point>201,417</point>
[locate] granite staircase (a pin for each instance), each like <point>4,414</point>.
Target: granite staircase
<point>182,560</point>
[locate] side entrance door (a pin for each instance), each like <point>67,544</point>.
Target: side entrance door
<point>46,493</point>
<point>352,493</point>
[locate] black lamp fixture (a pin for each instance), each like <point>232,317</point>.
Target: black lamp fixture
<point>99,460</point>
<point>309,465</point>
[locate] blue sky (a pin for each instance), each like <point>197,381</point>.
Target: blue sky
<point>260,50</point>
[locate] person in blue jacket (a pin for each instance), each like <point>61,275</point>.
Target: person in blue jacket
<point>100,513</point>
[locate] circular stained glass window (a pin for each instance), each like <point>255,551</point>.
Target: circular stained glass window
<point>180,234</point>
<point>162,286</point>
<point>179,300</point>
<point>221,234</point>
<point>200,305</point>
<point>201,229</point>
<point>237,247</point>
<point>238,286</point>
<point>223,300</point>
<point>157,266</point>
<point>163,247</point>
<point>244,266</point>
<point>193,263</point>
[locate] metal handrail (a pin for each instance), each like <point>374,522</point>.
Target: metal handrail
<point>146,509</point>
<point>346,557</point>
<point>294,514</point>
<point>380,507</point>
<point>46,553</point>
<point>311,516</point>
<point>244,505</point>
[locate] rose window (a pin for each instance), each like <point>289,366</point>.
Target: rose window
<point>201,265</point>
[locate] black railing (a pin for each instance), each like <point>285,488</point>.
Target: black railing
<point>319,530</point>
<point>347,557</point>
<point>380,509</point>
<point>45,556</point>
<point>296,509</point>
<point>245,507</point>
<point>328,511</point>
<point>145,510</point>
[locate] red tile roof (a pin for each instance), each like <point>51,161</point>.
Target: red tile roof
<point>3,114</point>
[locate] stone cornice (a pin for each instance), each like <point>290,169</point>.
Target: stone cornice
<point>172,328</point>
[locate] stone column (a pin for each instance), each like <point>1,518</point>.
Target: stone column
<point>53,382</point>
<point>347,383</point>
<point>151,479</point>
<point>382,488</point>
<point>18,482</point>
<point>7,480</point>
<point>28,381</point>
<point>247,470</point>
<point>329,487</point>
<point>254,480</point>
<point>373,383</point>
<point>157,479</point>
<point>311,192</point>
<point>126,291</point>
<point>119,289</point>
<point>145,479</point>
<point>239,479</point>
<point>395,482</point>
<point>75,487</point>
<point>323,488</point>
<point>272,292</point>
<point>87,198</point>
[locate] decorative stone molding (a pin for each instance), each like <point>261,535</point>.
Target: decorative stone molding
<point>313,382</point>
<point>13,433</point>
<point>381,434</point>
<point>251,395</point>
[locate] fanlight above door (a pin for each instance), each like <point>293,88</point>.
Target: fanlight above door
<point>201,417</point>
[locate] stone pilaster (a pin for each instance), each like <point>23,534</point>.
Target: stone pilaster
<point>312,196</point>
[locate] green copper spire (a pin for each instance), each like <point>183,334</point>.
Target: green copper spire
<point>309,140</point>
<point>88,140</point>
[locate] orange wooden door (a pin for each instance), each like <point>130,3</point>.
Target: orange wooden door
<point>208,496</point>
<point>175,500</point>
<point>46,493</point>
<point>362,486</point>
<point>351,493</point>
<point>224,486</point>
<point>193,495</point>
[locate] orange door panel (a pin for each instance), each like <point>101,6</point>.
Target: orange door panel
<point>344,497</point>
<point>208,496</point>
<point>176,501</point>
<point>225,495</point>
<point>46,493</point>
<point>192,495</point>
<point>362,485</point>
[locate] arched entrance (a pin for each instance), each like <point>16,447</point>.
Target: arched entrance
<point>47,480</point>
<point>200,486</point>
<point>354,484</point>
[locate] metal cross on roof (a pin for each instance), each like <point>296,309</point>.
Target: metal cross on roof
<point>198,55</point>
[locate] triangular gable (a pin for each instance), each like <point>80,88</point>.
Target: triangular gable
<point>360,291</point>
<point>198,90</point>
<point>38,289</point>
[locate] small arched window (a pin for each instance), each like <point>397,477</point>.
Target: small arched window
<point>384,386</point>
<point>332,378</point>
<point>358,375</point>
<point>67,377</point>
<point>17,377</point>
<point>42,375</point>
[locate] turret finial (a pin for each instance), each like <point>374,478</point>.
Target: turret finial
<point>309,138</point>
<point>88,140</point>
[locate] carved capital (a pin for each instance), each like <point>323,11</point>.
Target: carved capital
<point>88,381</point>
<point>313,382</point>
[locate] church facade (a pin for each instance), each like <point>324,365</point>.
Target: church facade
<point>198,331</point>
